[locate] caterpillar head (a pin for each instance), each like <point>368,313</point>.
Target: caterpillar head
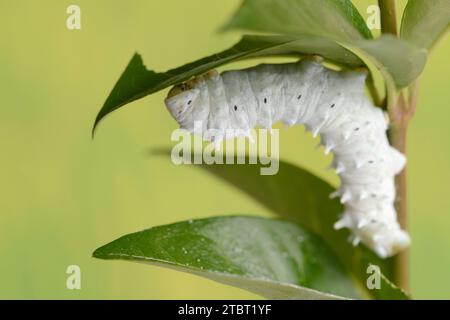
<point>181,100</point>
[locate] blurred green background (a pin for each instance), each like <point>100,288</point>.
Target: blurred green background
<point>62,195</point>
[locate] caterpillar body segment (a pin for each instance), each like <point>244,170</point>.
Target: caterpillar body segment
<point>328,103</point>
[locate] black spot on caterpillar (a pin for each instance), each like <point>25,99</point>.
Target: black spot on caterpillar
<point>330,103</point>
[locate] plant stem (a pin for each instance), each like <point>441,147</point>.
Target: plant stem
<point>398,136</point>
<point>388,16</point>
<point>400,116</point>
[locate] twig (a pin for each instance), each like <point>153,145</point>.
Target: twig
<point>400,116</point>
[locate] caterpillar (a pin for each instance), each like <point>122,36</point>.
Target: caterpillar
<point>327,102</point>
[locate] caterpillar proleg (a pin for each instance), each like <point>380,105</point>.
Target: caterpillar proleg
<point>327,102</point>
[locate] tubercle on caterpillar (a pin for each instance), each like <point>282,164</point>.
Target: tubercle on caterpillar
<point>327,102</point>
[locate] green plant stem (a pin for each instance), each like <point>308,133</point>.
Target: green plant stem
<point>400,116</point>
<point>388,16</point>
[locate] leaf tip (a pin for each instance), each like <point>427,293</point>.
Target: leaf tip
<point>94,127</point>
<point>107,108</point>
<point>101,253</point>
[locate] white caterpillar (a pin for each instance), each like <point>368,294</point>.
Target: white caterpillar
<point>330,103</point>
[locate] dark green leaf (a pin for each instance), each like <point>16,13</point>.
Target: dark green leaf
<point>334,19</point>
<point>399,62</point>
<point>300,196</point>
<point>273,258</point>
<point>137,82</point>
<point>398,58</point>
<point>297,195</point>
<point>424,21</point>
<point>389,291</point>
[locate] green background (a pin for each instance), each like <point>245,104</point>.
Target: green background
<point>62,195</point>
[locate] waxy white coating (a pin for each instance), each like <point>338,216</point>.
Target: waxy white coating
<point>327,102</point>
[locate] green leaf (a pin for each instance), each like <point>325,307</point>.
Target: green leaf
<point>137,82</point>
<point>389,291</point>
<point>399,62</point>
<point>334,19</point>
<point>298,195</point>
<point>273,258</point>
<point>395,58</point>
<point>424,21</point>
